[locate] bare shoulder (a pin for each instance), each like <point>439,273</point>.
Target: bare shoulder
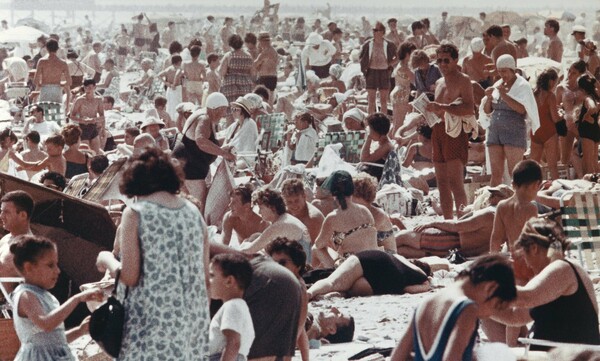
<point>314,212</point>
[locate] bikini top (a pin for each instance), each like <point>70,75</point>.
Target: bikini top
<point>338,237</point>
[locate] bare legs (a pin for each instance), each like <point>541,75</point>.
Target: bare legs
<point>372,100</point>
<point>590,155</point>
<point>343,279</point>
<point>197,188</point>
<point>450,181</point>
<point>500,153</point>
<point>550,148</point>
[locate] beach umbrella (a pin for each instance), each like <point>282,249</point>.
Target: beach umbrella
<point>532,66</point>
<point>33,23</point>
<point>504,17</point>
<point>21,34</point>
<point>79,228</point>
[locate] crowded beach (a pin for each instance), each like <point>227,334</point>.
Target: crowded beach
<point>273,187</point>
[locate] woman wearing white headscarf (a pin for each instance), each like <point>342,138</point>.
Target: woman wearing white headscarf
<point>509,102</point>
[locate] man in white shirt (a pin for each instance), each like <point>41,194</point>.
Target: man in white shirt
<point>317,55</point>
<point>37,122</point>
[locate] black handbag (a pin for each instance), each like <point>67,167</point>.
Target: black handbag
<point>107,321</point>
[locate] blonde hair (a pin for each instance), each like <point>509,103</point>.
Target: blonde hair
<point>365,187</point>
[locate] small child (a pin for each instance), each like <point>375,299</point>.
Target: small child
<point>231,331</point>
<point>33,152</point>
<point>160,104</point>
<point>194,74</point>
<point>8,139</point>
<point>212,76</point>
<point>38,317</point>
<point>303,139</point>
<point>55,161</point>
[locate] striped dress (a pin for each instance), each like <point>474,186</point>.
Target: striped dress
<point>238,80</point>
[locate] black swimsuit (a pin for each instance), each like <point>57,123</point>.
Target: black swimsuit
<point>588,130</point>
<point>570,319</point>
<point>197,162</point>
<point>386,274</point>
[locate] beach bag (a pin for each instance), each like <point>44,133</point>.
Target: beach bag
<point>107,321</point>
<point>394,198</point>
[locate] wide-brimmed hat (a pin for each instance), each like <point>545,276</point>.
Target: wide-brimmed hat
<point>243,103</point>
<point>152,121</point>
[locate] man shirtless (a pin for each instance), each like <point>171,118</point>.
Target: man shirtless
<point>295,200</point>
<point>555,46</point>
<point>15,213</point>
<point>93,61</point>
<point>475,65</point>
<point>50,72</point>
<point>266,62</point>
<point>501,45</point>
<point>88,112</point>
<point>241,218</point>
<point>471,234</point>
<point>194,74</point>
<point>454,96</point>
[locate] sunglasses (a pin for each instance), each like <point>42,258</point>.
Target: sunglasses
<point>443,60</point>
<point>377,30</point>
<point>236,109</point>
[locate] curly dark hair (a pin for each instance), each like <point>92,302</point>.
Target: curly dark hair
<point>271,198</point>
<point>235,265</point>
<point>405,50</point>
<point>150,172</point>
<point>293,249</point>
<point>494,268</point>
<point>235,41</point>
<point>29,248</point>
<point>71,133</point>
<point>379,123</point>
<point>244,191</point>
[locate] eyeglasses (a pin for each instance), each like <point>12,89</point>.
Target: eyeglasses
<point>443,60</point>
<point>236,109</point>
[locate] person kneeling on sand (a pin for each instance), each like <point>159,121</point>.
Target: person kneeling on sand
<point>445,325</point>
<point>471,233</point>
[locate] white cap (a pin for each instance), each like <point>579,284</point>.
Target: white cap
<point>314,39</point>
<point>578,29</point>
<point>506,61</point>
<point>477,45</point>
<point>216,100</point>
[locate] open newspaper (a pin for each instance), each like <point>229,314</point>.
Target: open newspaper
<point>420,104</point>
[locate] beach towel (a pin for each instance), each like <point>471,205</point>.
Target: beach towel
<point>391,171</point>
<point>217,199</point>
<point>522,93</point>
<point>456,123</point>
<point>394,198</point>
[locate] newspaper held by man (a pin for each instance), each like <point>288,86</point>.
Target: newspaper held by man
<point>420,104</point>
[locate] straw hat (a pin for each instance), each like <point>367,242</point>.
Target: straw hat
<point>243,103</point>
<point>152,121</point>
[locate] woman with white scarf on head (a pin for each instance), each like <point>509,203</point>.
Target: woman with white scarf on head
<point>507,105</point>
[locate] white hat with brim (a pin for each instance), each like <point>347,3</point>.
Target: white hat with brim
<point>243,103</point>
<point>314,39</point>
<point>152,121</point>
<point>578,29</point>
<point>216,100</point>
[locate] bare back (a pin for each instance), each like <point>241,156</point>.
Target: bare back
<point>51,71</point>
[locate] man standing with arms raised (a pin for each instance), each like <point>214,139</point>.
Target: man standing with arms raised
<point>48,75</point>
<point>454,104</point>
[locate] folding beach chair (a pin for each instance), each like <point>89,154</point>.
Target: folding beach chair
<point>352,143</point>
<point>18,94</point>
<point>107,184</point>
<point>544,343</point>
<point>581,220</point>
<point>52,111</point>
<point>326,92</point>
<point>272,129</point>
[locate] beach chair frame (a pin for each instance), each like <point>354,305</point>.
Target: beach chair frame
<point>352,142</point>
<point>52,111</point>
<point>272,129</point>
<point>580,221</point>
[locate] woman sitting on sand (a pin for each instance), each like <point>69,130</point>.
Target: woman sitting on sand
<point>379,127</point>
<point>560,299</point>
<point>348,229</point>
<point>445,326</point>
<point>365,190</point>
<point>375,272</point>
<point>271,208</point>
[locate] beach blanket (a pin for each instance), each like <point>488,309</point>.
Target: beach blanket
<point>392,170</point>
<point>217,199</point>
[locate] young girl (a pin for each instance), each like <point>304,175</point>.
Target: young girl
<point>38,316</point>
<point>231,331</point>
<point>303,140</point>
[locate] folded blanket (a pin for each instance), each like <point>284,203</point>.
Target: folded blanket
<point>454,123</point>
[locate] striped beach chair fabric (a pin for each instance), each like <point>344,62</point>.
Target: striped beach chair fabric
<point>581,224</point>
<point>52,111</point>
<point>272,128</point>
<point>352,145</point>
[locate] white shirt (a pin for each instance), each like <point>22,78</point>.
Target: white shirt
<point>318,57</point>
<point>233,315</point>
<point>245,139</point>
<point>45,128</point>
<point>306,145</point>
